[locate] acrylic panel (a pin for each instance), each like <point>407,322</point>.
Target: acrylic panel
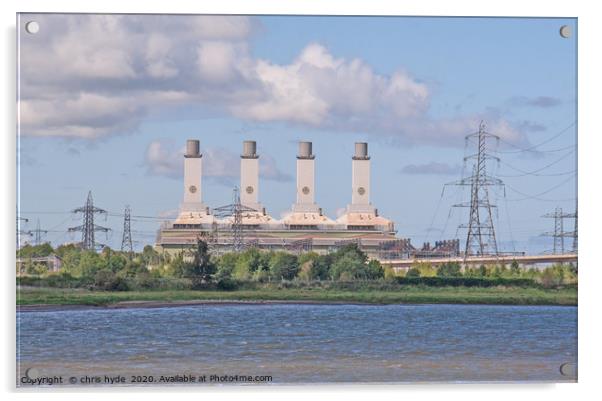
<point>262,200</point>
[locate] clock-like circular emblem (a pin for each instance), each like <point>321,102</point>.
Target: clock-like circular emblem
<point>192,189</point>
<point>361,190</point>
<point>305,190</point>
<point>249,189</point>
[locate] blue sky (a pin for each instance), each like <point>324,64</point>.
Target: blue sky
<point>108,102</point>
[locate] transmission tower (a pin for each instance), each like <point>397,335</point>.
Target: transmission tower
<point>480,237</point>
<point>20,231</point>
<point>126,241</point>
<point>576,231</point>
<point>37,233</point>
<point>88,228</point>
<point>235,210</point>
<point>559,234</point>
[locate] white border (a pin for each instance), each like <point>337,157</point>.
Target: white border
<point>589,179</point>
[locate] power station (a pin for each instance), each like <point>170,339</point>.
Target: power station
<point>303,227</point>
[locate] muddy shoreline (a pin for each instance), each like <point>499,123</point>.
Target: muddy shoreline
<point>174,304</point>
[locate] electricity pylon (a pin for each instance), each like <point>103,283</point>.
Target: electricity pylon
<point>126,241</point>
<point>38,233</point>
<point>480,237</point>
<point>559,234</point>
<point>235,210</point>
<point>88,228</point>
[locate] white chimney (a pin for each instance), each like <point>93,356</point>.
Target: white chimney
<point>193,170</point>
<point>249,176</point>
<point>360,179</point>
<point>305,180</point>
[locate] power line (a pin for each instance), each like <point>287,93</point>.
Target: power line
<point>538,175</point>
<point>536,197</point>
<point>534,172</point>
<point>520,150</point>
<point>110,214</point>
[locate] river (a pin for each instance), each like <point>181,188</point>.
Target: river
<point>302,343</point>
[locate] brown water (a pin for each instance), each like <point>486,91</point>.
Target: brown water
<point>302,343</point>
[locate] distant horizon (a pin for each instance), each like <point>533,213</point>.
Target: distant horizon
<point>108,101</point>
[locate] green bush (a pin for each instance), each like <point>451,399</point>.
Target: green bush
<point>465,281</point>
<point>227,284</point>
<point>106,280</point>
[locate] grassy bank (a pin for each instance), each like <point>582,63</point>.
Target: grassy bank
<point>403,294</point>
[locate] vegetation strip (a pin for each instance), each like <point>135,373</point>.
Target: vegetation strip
<point>346,275</point>
<point>416,295</point>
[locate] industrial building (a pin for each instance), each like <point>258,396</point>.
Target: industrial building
<point>246,222</point>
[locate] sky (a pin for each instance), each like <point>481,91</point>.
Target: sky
<point>106,103</point>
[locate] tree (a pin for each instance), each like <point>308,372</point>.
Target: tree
<point>352,250</point>
<point>89,263</point>
<point>150,256</point>
<point>389,274</point>
<point>515,269</point>
<point>426,269</point>
<point>131,268</point>
<point>36,269</point>
<point>321,267</point>
<point>349,267</point>
<point>225,265</point>
<point>35,251</point>
<point>451,269</point>
<point>62,250</point>
<point>375,270</point>
<point>202,267</point>
<point>283,266</point>
<point>113,260</point>
<point>313,266</point>
<point>178,267</point>
<point>413,272</point>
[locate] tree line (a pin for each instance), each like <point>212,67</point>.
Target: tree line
<point>198,268</point>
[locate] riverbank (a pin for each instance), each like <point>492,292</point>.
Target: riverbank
<point>40,298</point>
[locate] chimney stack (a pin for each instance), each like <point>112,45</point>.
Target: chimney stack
<point>192,148</point>
<point>249,176</point>
<point>193,170</point>
<point>305,179</point>
<point>360,179</point>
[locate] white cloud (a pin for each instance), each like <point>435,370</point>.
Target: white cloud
<point>163,161</point>
<point>216,60</point>
<point>321,90</point>
<point>90,76</point>
<point>157,56</point>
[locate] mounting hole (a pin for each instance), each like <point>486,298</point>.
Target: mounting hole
<point>32,27</point>
<point>32,373</point>
<point>565,31</point>
<point>568,369</point>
